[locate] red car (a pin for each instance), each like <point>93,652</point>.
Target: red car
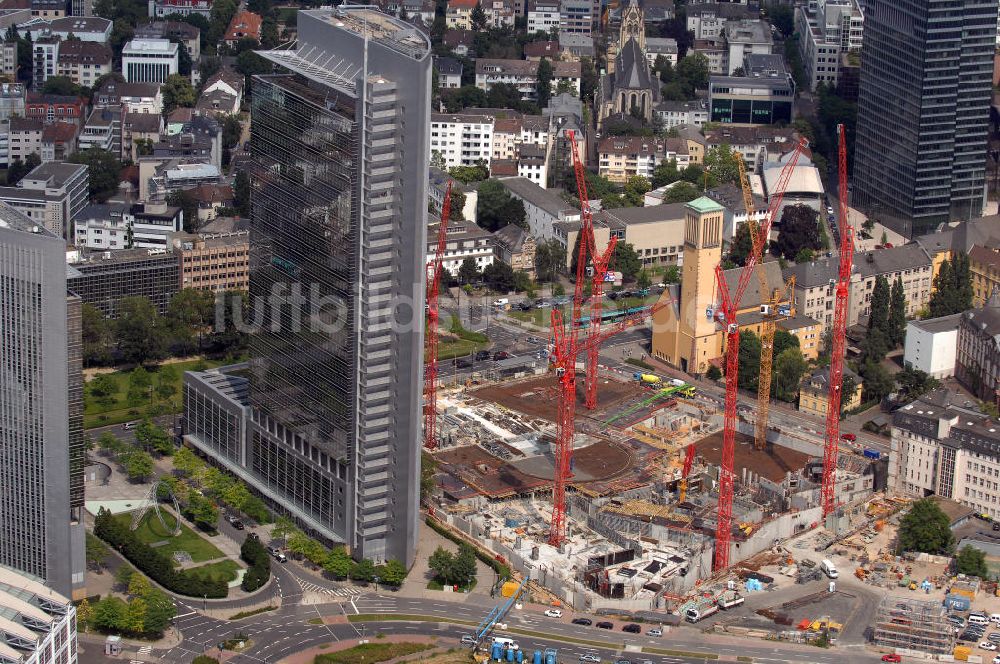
<point>892,657</point>
<point>851,437</point>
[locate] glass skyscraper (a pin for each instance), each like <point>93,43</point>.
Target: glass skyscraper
<point>923,111</point>
<point>41,408</point>
<point>339,139</point>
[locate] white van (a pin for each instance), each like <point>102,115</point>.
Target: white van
<point>505,642</point>
<point>978,619</point>
<point>502,302</point>
<point>829,568</point>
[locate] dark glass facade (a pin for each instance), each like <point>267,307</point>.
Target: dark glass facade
<point>751,111</point>
<point>923,111</point>
<point>101,282</point>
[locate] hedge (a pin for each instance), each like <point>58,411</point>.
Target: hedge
<point>502,569</point>
<point>151,562</point>
<point>253,554</point>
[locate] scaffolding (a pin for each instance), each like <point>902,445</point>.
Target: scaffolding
<point>914,625</point>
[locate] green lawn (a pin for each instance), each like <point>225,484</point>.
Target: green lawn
<point>116,409</point>
<point>449,348</point>
<point>370,653</point>
<point>150,531</point>
<point>224,570</point>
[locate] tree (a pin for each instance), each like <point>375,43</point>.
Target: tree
<point>720,162</point>
<point>202,511</point>
<point>970,561</point>
<point>190,310</point>
<point>135,616</point>
<point>103,169</point>
<point>241,192</point>
<point>84,613</point>
<point>543,86</point>
<point>878,318</point>
<point>643,280</point>
<point>250,64</point>
<point>666,172</point>
<point>500,277</point>
<point>110,614</point>
<point>153,437</point>
<point>925,528</point>
<point>952,292</point>
<point>692,73</point>
<point>123,576</point>
<point>138,465</point>
<point>468,271</point>
<point>896,328</point>
<point>495,207</point>
<point>18,169</point>
<point>672,275</point>
<point>228,335</point>
<point>626,260</point>
<point>635,190</point>
<point>588,79</point>
<point>138,586</point>
<point>749,361</point>
<point>467,96</point>
<point>188,204</point>
<point>741,246</point>
<point>140,330</point>
<point>60,85</point>
<point>713,373</point>
<point>468,175</point>
<point>338,563</point>
<point>873,347</point>
<point>799,229</point>
<point>363,570</point>
<point>96,551</point>
<point>392,573</point>
<point>877,381</point>
<point>478,18</point>
<point>782,17</point>
<point>550,259</point>
<point>160,610</point>
<point>789,368</point>
<point>103,387</point>
<point>682,192</point>
<point>187,463</point>
<point>914,382</point>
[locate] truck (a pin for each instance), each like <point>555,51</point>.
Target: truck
<point>869,453</point>
<point>729,599</point>
<point>702,608</point>
<point>649,379</point>
<point>829,568</point>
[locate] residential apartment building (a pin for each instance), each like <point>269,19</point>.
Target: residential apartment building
<point>85,28</point>
<point>459,14</point>
<point>139,129</point>
<point>49,8</point>
<point>574,45</point>
<point>159,177</point>
<point>984,264</point>
<point>576,17</point>
<point>746,37</point>
<point>920,157</point>
<point>730,197</point>
<point>162,8</point>
<point>130,97</point>
<point>707,20</point>
<point>244,25</point>
<point>186,33</point>
<point>464,139</point>
<point>815,282</point>
<point>977,364</point>
<point>24,138</point>
<point>676,113</point>
<point>523,74</point>
<point>464,240</point>
<point>827,30</point>
<point>45,51</point>
<point>543,16</point>
<point>200,139</point>
<point>622,157</point>
<point>544,209</point>
<point>449,72</point>
<point>661,47</point>
<point>150,60</point>
<point>514,246</point>
<point>53,108</point>
<point>127,226</point>
<point>59,141</point>
<point>218,262</point>
<point>8,60</point>
<point>83,62</point>
<point>40,623</point>
<point>814,395</point>
<point>335,431</point>
<point>499,13</point>
<point>931,345</point>
<point>757,144</point>
<point>51,195</point>
<point>102,278</point>
<point>764,95</point>
<point>942,445</point>
<point>41,512</point>
<point>103,130</point>
<point>12,101</point>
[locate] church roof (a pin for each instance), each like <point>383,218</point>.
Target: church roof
<point>631,68</point>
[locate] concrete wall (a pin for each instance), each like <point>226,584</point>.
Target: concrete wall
<point>931,352</point>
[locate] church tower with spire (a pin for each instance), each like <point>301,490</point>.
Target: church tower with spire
<point>633,26</point>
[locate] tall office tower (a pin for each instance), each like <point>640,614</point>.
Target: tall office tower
<point>923,111</point>
<point>337,272</point>
<point>41,408</point>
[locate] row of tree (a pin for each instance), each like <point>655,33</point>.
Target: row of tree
<point>137,464</point>
<point>151,562</point>
<point>952,292</point>
<point>787,368</point>
<point>257,559</point>
<point>140,334</point>
<point>454,569</point>
<point>194,477</point>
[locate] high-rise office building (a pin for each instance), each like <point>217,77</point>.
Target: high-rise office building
<point>923,111</point>
<point>41,408</point>
<point>338,230</point>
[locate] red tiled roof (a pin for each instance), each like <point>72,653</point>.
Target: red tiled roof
<point>59,132</point>
<point>244,24</point>
<point>463,4</point>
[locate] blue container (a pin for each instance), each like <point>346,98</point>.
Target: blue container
<point>537,657</point>
<point>550,657</point>
<point>512,523</point>
<point>510,654</point>
<point>872,454</point>
<point>957,602</point>
<point>497,652</point>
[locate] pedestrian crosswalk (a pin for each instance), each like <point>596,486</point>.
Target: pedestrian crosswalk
<point>342,591</point>
<point>145,650</point>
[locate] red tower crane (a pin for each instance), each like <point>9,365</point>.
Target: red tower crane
<point>433,287</point>
<point>727,315</point>
<point>599,262</point>
<point>839,328</point>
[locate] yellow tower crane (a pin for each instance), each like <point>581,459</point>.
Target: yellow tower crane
<point>769,306</point>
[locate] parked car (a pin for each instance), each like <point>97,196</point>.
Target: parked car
<point>994,636</point>
<point>987,645</point>
<point>996,660</point>
<point>586,622</point>
<point>463,363</point>
<point>849,436</point>
<point>254,536</point>
<point>500,355</point>
<point>892,657</point>
<point>604,625</point>
<point>553,613</point>
<point>632,628</point>
<point>482,355</point>
<point>236,523</point>
<point>589,658</point>
<point>277,554</point>
<point>654,631</point>
<point>468,640</point>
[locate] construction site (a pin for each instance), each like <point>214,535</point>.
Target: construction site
<point>628,492</point>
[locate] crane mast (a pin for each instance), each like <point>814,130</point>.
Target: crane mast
<point>433,289</point>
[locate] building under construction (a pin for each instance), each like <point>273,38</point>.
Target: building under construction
<point>912,624</point>
<point>630,543</point>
